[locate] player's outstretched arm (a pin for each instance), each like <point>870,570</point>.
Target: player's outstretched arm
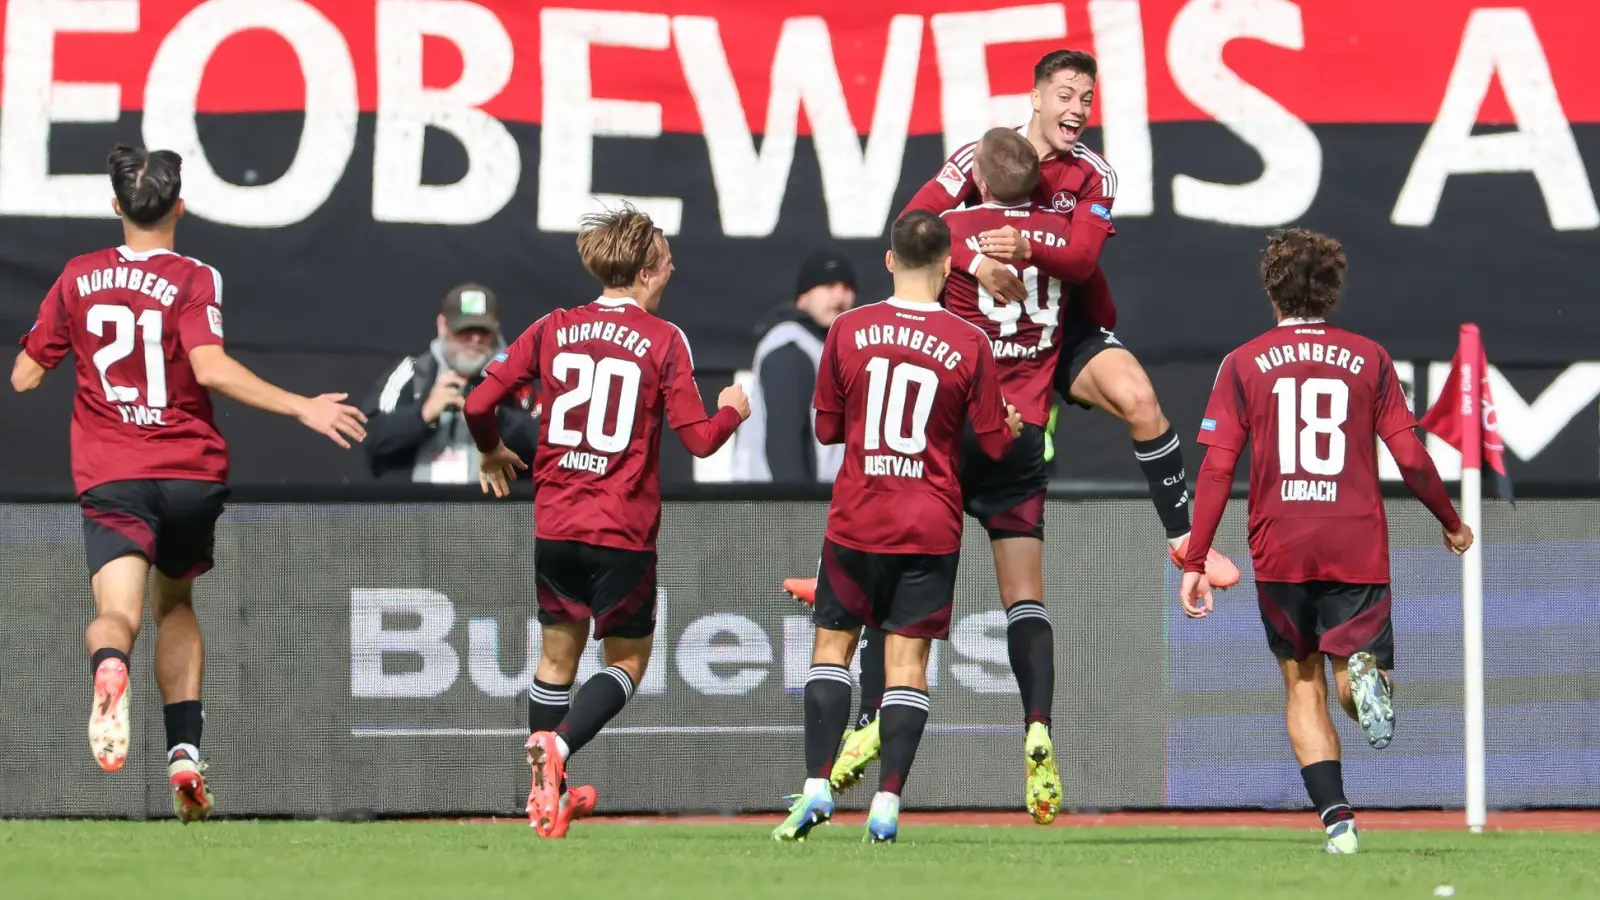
<point>325,414</point>
<point>1421,477</point>
<point>1211,489</point>
<point>26,373</point>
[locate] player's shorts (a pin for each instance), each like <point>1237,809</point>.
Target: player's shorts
<point>1327,616</point>
<point>577,581</point>
<point>1081,341</point>
<point>1006,495</point>
<point>909,594</point>
<point>172,523</point>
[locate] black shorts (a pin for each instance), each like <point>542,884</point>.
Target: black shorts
<point>908,594</point>
<point>577,581</point>
<point>1328,617</point>
<point>172,523</point>
<point>1080,342</point>
<point>1006,495</point>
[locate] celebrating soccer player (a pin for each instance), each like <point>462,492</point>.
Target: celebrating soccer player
<point>897,383</point>
<point>148,463</point>
<point>608,372</point>
<point>1312,400</point>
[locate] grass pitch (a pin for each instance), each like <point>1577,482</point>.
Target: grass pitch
<point>299,860</point>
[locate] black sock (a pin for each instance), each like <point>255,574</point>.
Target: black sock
<point>1162,462</point>
<point>1031,644</point>
<point>185,720</point>
<point>547,705</point>
<point>871,675</point>
<point>827,710</point>
<point>1325,784</point>
<point>598,702</point>
<point>904,715</point>
<point>103,654</point>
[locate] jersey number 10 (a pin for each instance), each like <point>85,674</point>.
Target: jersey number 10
<point>1298,434</point>
<point>888,421</point>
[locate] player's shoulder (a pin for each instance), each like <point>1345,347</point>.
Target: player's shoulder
<point>960,328</point>
<point>1096,168</point>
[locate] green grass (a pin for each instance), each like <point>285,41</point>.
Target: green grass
<point>300,860</point>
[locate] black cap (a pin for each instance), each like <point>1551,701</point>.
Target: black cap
<point>470,306</point>
<point>824,266</point>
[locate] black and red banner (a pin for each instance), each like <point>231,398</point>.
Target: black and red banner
<point>347,162</point>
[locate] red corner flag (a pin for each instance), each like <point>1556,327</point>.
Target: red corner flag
<point>1464,415</point>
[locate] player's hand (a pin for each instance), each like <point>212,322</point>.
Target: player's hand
<point>733,396</point>
<point>1460,540</point>
<point>327,416</point>
<point>446,394</point>
<point>1195,595</point>
<point>1001,283</point>
<point>1006,244</point>
<point>497,469</point>
<point>1013,420</point>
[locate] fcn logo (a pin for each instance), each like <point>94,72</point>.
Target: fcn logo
<point>1063,201</point>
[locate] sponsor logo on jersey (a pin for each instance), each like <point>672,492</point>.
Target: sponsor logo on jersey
<point>1063,201</point>
<point>952,178</point>
<point>500,357</point>
<point>1208,424</point>
<point>214,319</point>
<point>1100,211</point>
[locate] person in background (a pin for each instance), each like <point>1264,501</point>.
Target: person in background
<point>414,424</point>
<point>779,442</point>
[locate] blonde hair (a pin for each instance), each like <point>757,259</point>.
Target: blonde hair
<point>617,244</point>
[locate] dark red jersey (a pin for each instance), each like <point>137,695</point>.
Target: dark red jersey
<point>896,382</point>
<point>131,320</point>
<point>608,372</point>
<point>1023,336</point>
<point>1312,400</point>
<point>1080,185</point>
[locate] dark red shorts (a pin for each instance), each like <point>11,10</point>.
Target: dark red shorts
<point>1006,495</point>
<point>908,594</point>
<point>577,581</point>
<point>1327,617</point>
<point>172,523</point>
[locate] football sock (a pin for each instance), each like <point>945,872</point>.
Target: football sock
<point>598,702</point>
<point>547,705</point>
<point>1325,783</point>
<point>871,675</point>
<point>1162,462</point>
<point>184,720</point>
<point>1031,645</point>
<point>827,710</point>
<point>103,654</point>
<point>903,716</point>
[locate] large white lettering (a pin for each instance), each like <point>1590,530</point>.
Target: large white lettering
<point>371,643</point>
<point>1291,157</point>
<point>33,100</point>
<point>1122,97</point>
<point>858,186</point>
<point>975,638</point>
<point>719,640</point>
<point>1501,42</point>
<point>573,117</point>
<point>406,110</point>
<point>961,41</point>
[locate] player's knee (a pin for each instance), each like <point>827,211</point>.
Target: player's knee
<point>1140,408</point>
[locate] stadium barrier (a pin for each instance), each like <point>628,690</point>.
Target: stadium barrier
<point>371,658</point>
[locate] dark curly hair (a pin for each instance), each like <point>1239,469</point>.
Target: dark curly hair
<point>1304,272</point>
<point>146,183</point>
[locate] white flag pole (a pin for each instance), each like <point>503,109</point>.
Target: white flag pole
<point>1472,574</point>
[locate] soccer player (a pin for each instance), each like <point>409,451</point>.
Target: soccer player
<point>897,383</point>
<point>148,463</point>
<point>1312,400</point>
<point>608,372</point>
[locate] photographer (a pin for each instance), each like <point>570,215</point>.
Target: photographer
<point>415,428</point>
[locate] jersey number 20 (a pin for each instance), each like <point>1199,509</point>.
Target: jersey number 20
<point>598,381</point>
<point>888,420</point>
<point>1298,434</point>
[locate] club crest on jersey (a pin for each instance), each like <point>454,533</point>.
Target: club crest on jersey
<point>1063,201</point>
<point>952,179</point>
<point>214,319</point>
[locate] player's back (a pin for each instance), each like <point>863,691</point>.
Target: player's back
<point>1316,398</point>
<point>608,373</point>
<point>905,374</point>
<point>132,318</point>
<point>1023,335</point>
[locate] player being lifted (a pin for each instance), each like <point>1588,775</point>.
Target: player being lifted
<point>1312,400</point>
<point>608,372</point>
<point>148,463</point>
<point>896,384</point>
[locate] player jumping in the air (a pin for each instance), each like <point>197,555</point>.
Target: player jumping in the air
<point>149,466</point>
<point>608,372</point>
<point>1312,400</point>
<point>897,383</point>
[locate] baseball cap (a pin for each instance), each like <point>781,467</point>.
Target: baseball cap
<point>470,306</point>
<point>824,266</point>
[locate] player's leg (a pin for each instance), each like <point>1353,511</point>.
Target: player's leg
<point>1030,646</point>
<point>1096,371</point>
<point>119,540</point>
<point>863,744</point>
<point>562,583</point>
<point>1358,635</point>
